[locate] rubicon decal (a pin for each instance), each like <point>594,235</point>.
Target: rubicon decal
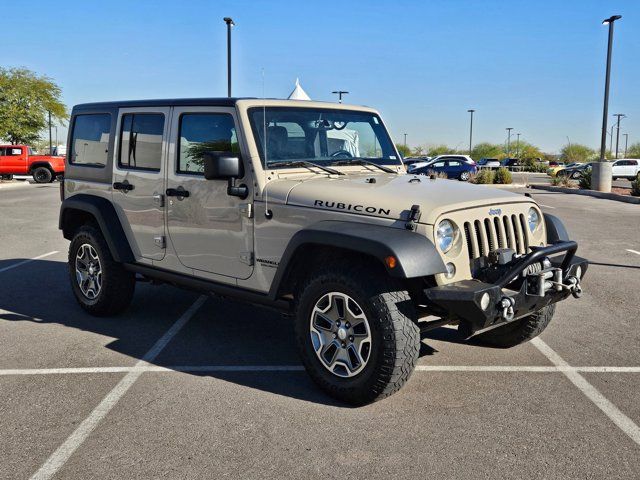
<point>349,207</point>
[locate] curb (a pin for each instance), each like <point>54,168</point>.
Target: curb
<point>502,185</point>
<point>589,193</point>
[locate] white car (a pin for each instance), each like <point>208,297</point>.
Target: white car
<point>625,168</point>
<point>462,158</point>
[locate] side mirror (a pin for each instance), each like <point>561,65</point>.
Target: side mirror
<point>225,166</point>
<point>222,166</point>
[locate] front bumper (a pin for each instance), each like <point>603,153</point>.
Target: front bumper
<point>526,285</point>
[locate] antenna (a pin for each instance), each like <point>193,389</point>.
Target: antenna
<point>267,213</point>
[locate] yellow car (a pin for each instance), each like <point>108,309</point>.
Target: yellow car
<point>554,170</point>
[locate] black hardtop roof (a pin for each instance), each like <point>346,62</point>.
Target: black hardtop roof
<point>191,102</point>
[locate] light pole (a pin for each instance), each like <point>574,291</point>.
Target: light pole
<point>230,23</point>
<point>626,141</point>
<point>619,115</point>
<point>405,142</point>
<point>471,130</point>
<point>340,93</point>
<point>56,127</point>
<point>611,139</point>
<point>518,146</point>
<point>601,175</point>
<point>50,145</point>
<point>509,141</point>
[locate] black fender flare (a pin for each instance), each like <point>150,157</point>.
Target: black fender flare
<point>105,216</point>
<point>416,256</point>
<point>556,231</point>
<point>41,163</point>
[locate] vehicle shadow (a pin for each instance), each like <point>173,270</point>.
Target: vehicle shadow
<point>223,333</point>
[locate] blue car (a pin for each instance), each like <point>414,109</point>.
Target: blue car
<point>451,167</point>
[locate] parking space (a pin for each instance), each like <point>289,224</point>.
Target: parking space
<point>180,387</point>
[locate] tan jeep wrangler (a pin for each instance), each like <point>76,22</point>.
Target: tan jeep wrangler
<point>305,207</point>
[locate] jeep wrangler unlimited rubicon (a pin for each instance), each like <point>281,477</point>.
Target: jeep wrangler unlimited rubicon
<point>306,207</point>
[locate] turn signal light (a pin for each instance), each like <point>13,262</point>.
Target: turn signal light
<point>390,261</point>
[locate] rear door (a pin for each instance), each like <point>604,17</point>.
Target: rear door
<point>138,177</point>
<point>210,230</point>
<point>454,168</point>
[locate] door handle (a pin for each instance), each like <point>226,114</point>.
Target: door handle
<point>177,192</point>
<point>124,186</point>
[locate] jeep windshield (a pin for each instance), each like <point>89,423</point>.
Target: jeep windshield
<point>324,136</point>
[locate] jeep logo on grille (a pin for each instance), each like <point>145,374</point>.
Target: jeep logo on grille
<point>495,211</point>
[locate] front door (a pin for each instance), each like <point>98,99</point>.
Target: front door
<point>13,160</point>
<point>211,231</point>
<point>138,178</point>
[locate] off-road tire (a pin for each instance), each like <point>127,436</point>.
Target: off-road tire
<point>520,331</point>
<point>42,175</point>
<point>395,337</point>
<point>118,285</point>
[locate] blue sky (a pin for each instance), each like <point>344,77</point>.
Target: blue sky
<point>537,66</point>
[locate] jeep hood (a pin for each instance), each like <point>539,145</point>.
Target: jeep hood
<point>387,195</point>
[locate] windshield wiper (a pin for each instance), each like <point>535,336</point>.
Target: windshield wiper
<point>363,161</point>
<point>305,163</point>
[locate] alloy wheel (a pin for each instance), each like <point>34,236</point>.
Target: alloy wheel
<point>88,271</point>
<point>340,334</point>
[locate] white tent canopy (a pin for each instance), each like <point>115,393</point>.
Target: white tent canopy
<point>298,93</point>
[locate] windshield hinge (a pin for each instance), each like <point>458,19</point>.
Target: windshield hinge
<point>414,216</point>
<point>246,258</point>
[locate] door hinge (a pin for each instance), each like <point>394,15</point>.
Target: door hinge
<point>247,258</point>
<point>159,241</point>
<point>246,209</point>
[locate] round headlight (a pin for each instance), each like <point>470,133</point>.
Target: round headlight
<point>445,234</point>
<point>533,219</point>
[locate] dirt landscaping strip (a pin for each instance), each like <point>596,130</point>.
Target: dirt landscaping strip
<point>590,193</point>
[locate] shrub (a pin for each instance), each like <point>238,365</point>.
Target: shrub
<point>437,174</point>
<point>585,181</point>
<point>561,181</point>
<point>483,176</point>
<point>635,187</point>
<point>503,176</point>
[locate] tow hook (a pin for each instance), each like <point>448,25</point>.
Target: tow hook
<point>574,286</point>
<point>507,304</point>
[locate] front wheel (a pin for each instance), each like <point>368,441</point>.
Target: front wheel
<point>356,333</point>
<point>519,331</point>
<point>101,285</point>
<point>42,175</point>
<point>575,175</point>
<point>464,176</point>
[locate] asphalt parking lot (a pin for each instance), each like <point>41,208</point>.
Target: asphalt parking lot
<point>186,387</point>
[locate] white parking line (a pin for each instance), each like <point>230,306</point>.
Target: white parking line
<point>609,409</point>
<point>633,251</point>
<point>546,206</point>
<point>71,444</point>
<point>27,261</point>
<point>300,368</point>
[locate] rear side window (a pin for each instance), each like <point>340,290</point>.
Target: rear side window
<point>203,132</point>
<point>141,141</point>
<point>90,139</point>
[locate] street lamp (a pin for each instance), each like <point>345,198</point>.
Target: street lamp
<point>405,142</point>
<point>619,115</point>
<point>601,174</point>
<point>50,141</point>
<point>340,93</point>
<point>518,146</point>
<point>230,23</point>
<point>470,130</point>
<point>626,141</point>
<point>509,141</point>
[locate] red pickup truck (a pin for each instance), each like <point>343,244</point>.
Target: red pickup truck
<point>19,160</point>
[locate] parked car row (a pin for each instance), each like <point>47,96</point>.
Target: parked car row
<point>628,168</point>
<point>459,167</point>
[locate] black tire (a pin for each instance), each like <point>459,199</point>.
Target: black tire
<point>117,284</point>
<point>520,331</point>
<point>42,175</point>
<point>395,337</point>
<point>575,175</point>
<point>7,177</point>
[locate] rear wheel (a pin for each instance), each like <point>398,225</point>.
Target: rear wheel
<point>520,331</point>
<point>575,175</point>
<point>356,333</point>
<point>101,285</point>
<point>42,175</point>
<point>464,176</point>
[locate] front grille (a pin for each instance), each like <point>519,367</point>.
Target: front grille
<point>491,233</point>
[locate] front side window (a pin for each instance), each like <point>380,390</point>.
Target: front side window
<point>286,135</point>
<point>141,141</point>
<point>90,139</point>
<point>204,132</point>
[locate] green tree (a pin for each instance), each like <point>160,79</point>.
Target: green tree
<point>404,151</point>
<point>576,152</point>
<point>435,150</point>
<point>25,99</point>
<point>528,153</point>
<point>487,150</point>
<point>633,151</point>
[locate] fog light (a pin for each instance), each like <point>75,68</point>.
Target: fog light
<point>484,301</point>
<point>451,270</point>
